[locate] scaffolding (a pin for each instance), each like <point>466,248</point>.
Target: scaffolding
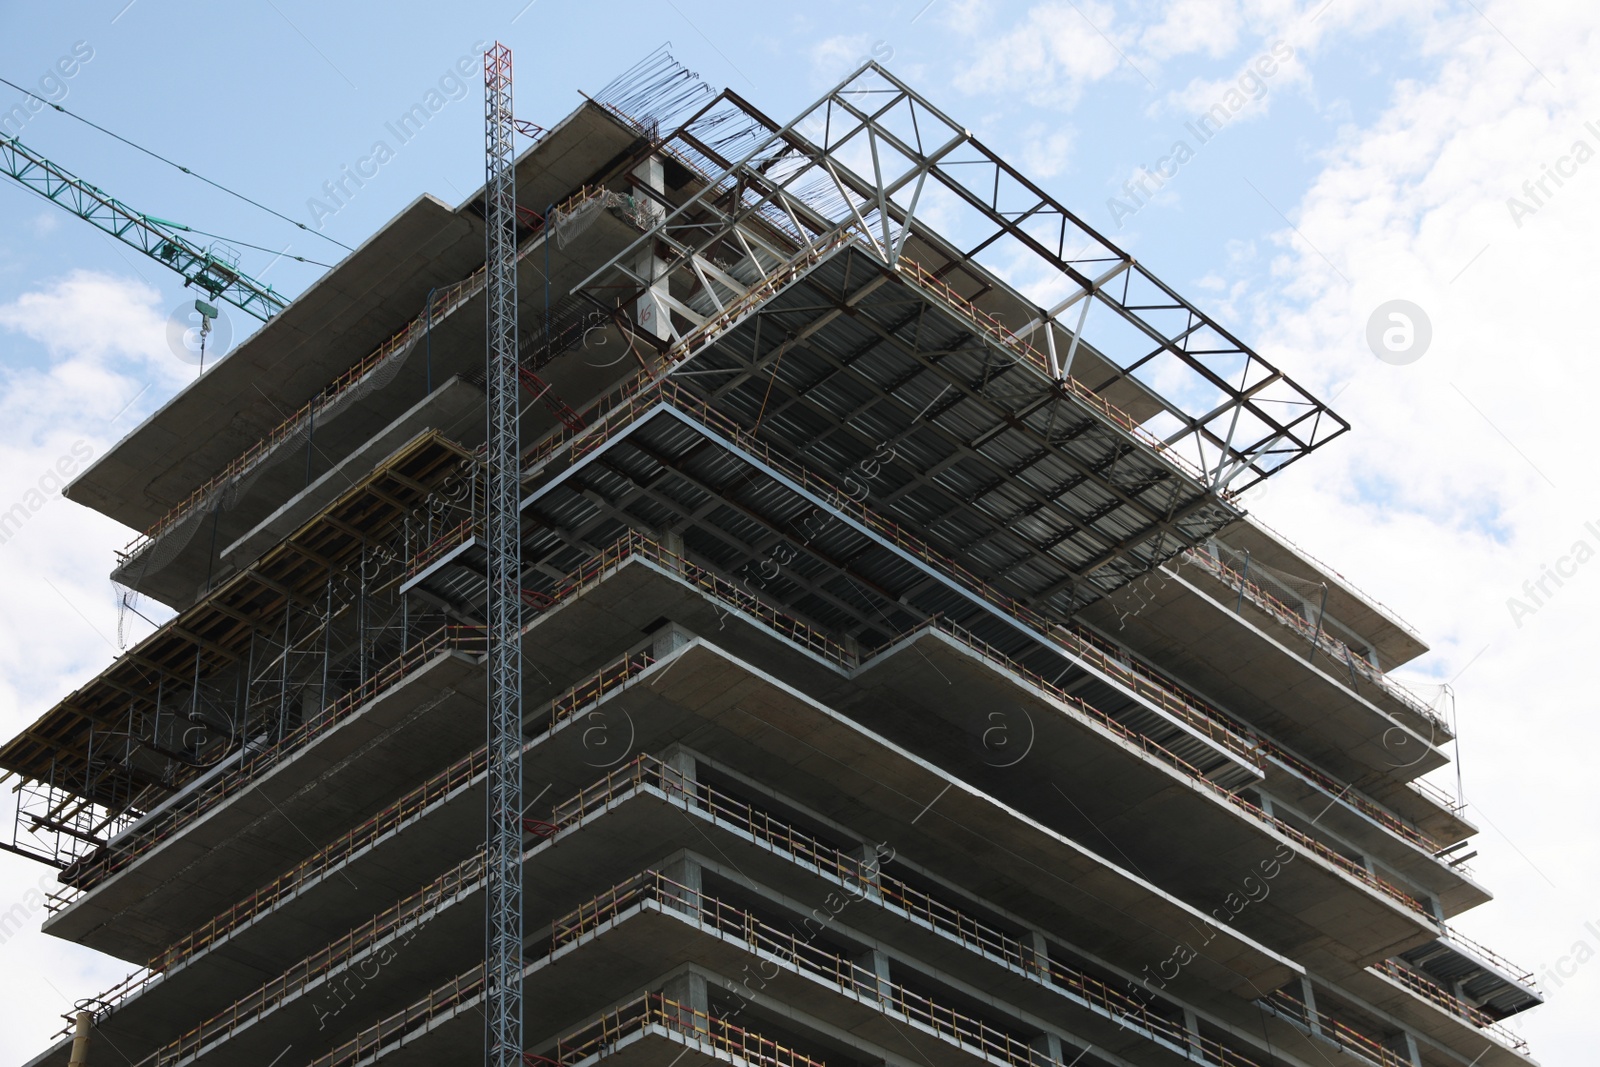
<point>285,648</point>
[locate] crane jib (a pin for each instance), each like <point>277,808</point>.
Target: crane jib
<point>200,267</point>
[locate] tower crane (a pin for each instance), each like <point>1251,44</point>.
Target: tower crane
<point>210,269</point>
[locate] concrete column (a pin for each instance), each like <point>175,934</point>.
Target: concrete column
<point>871,881</point>
<point>685,870</point>
<point>649,311</point>
<point>672,541</point>
<point>853,647</point>
<point>1046,1050</point>
<point>1309,996</point>
<point>678,774</point>
<point>1191,1026</point>
<point>1405,1045</point>
<point>693,1000</point>
<point>669,639</point>
<point>871,975</point>
<point>1036,953</point>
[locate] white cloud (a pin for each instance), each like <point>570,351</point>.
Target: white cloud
<point>832,58</point>
<point>1244,94</point>
<point>1440,499</point>
<point>1051,56</point>
<point>1208,26</point>
<point>1046,152</point>
<point>103,340</point>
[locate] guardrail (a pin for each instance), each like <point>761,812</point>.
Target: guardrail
<point>864,878</point>
<point>1521,974</point>
<point>459,989</point>
<point>458,775</point>
<point>1318,637</point>
<point>1346,1037</point>
<point>1348,866</point>
<point>1390,822</point>
<point>639,397</point>
<point>1438,796</point>
<point>1449,1002</point>
<point>635,1016</point>
<point>947,1023</point>
<point>444,543</point>
<point>637,545</point>
<point>303,973</point>
<point>1076,704</point>
<point>1159,691</point>
<point>1186,698</point>
<point>1046,628</point>
<point>1383,608</point>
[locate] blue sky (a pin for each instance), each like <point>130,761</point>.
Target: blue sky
<point>1375,165</point>
<point>273,99</point>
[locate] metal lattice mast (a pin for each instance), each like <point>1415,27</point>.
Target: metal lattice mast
<point>503,833</point>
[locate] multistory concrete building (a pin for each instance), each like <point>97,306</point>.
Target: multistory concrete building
<point>904,680</point>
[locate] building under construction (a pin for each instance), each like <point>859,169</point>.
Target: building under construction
<point>901,679</point>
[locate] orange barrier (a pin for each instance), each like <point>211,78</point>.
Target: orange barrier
<point>633,542</point>
<point>1521,974</point>
<point>637,399</point>
<point>862,878</point>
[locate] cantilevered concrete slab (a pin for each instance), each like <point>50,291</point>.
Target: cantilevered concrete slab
<point>342,317</point>
<point>913,697</point>
<point>1416,866</point>
<point>451,1034</point>
<point>1248,670</point>
<point>1437,1023</point>
<point>196,554</point>
<point>345,315</point>
<point>729,693</point>
<point>392,394</point>
<point>623,603</point>
<point>1389,696</point>
<point>405,734</point>
<point>455,409</point>
<point>801,749</point>
<point>1391,637</point>
<point>563,871</point>
<point>1176,830</point>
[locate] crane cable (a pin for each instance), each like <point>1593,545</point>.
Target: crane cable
<point>179,166</point>
<point>234,240</point>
